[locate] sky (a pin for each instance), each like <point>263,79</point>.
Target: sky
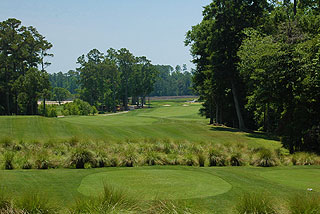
<point>152,28</point>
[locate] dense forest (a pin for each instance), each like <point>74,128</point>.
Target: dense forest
<point>258,67</point>
<point>169,81</point>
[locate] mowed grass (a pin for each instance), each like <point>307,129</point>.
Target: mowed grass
<point>210,189</point>
<point>203,189</point>
<point>157,183</point>
<point>174,119</point>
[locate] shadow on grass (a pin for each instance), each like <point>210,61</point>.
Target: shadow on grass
<point>248,133</point>
<point>224,129</point>
<point>262,135</point>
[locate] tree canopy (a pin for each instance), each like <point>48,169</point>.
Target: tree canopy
<point>258,62</point>
<point>23,79</point>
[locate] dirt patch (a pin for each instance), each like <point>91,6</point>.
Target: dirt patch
<point>123,112</point>
<point>185,105</point>
<point>166,105</point>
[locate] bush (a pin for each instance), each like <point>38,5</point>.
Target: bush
<point>266,158</point>
<point>111,201</point>
<point>304,203</point>
<point>217,158</point>
<point>6,142</point>
<point>78,107</point>
<point>303,158</point>
<point>34,203</point>
<point>253,203</point>
<point>80,157</point>
<point>152,158</point>
<point>201,159</point>
<point>42,162</point>
<point>167,207</point>
<point>236,159</point>
<point>8,160</point>
<point>51,110</point>
<point>4,200</point>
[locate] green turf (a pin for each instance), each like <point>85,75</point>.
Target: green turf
<point>177,122</point>
<point>157,184</point>
<point>63,184</point>
<point>298,178</point>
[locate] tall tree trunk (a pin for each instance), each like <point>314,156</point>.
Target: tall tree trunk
<point>114,101</point>
<point>7,91</point>
<point>211,111</point>
<point>294,7</point>
<point>237,106</point>
<point>217,112</point>
<point>126,96</point>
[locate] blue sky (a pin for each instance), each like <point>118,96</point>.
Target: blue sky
<point>152,28</point>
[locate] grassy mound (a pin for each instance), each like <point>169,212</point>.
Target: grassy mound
<point>157,184</point>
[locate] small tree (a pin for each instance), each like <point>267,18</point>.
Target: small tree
<point>60,94</point>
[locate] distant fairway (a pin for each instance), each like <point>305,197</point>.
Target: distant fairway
<point>172,119</point>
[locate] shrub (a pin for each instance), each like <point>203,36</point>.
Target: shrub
<point>78,107</point>
<point>6,142</point>
<point>236,159</point>
<point>8,160</point>
<point>201,159</point>
<point>111,201</point>
<point>167,207</point>
<point>304,203</point>
<point>80,157</point>
<point>217,158</point>
<point>35,203</point>
<point>25,163</point>
<point>303,158</point>
<point>152,158</point>
<point>4,200</point>
<point>253,203</point>
<point>51,110</point>
<point>42,161</point>
<point>266,158</point>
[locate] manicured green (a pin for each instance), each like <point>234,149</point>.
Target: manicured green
<point>157,184</point>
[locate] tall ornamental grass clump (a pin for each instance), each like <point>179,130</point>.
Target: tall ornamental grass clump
<point>81,153</point>
<point>304,204</point>
<point>36,203</point>
<point>255,203</point>
<point>8,160</point>
<point>166,207</point>
<point>112,200</point>
<point>80,157</point>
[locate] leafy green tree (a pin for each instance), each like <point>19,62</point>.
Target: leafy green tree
<point>22,51</point>
<point>60,94</point>
<point>214,45</point>
<point>125,62</point>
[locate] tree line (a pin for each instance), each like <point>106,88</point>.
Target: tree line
<point>23,79</point>
<point>105,81</point>
<point>257,67</point>
<point>169,82</point>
